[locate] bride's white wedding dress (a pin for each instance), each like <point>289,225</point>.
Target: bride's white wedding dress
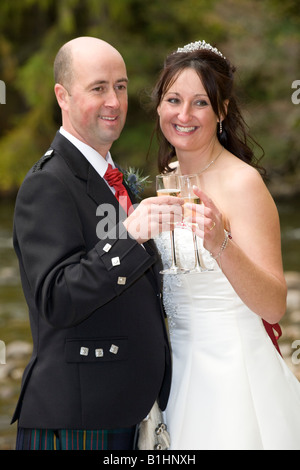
<point>230,388</point>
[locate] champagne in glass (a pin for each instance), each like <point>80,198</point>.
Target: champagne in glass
<point>186,183</point>
<point>168,192</point>
<point>168,185</point>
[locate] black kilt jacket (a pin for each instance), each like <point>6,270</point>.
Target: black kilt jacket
<point>100,348</point>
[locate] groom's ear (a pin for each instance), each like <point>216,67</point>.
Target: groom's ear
<point>61,96</point>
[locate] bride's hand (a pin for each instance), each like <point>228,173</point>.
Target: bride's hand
<point>209,220</point>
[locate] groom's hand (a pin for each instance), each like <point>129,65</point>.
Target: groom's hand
<point>153,216</point>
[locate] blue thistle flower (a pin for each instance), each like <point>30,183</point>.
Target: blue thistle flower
<point>136,181</point>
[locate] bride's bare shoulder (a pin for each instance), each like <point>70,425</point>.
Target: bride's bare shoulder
<point>240,176</point>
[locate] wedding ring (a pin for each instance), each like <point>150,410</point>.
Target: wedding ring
<point>213,226</point>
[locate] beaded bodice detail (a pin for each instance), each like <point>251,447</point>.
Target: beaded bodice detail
<point>185,256</point>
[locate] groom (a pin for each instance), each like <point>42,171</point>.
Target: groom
<point>100,350</point>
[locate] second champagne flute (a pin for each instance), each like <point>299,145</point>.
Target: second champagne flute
<point>187,193</point>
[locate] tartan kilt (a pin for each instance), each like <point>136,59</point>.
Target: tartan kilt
<point>66,439</point>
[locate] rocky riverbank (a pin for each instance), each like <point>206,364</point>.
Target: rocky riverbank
<point>18,354</point>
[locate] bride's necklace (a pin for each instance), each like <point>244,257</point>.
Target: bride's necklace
<point>213,161</point>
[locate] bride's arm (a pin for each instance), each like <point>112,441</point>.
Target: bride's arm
<point>252,258</point>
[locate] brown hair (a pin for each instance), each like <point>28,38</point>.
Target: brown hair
<point>216,73</point>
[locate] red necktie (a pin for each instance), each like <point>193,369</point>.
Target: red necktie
<point>114,178</point>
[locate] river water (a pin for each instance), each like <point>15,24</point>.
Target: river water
<point>13,311</point>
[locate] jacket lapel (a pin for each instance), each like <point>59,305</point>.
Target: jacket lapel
<point>96,187</point>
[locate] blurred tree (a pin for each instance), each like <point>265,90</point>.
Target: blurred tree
<point>261,38</point>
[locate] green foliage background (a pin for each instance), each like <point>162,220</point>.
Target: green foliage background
<point>261,37</point>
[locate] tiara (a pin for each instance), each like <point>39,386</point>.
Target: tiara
<point>199,45</point>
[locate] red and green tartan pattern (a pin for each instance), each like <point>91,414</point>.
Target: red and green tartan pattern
<point>65,439</point>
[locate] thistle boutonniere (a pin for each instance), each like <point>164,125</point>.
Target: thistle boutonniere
<point>136,181</point>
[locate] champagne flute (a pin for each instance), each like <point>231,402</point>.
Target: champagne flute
<point>168,185</point>
<point>186,183</point>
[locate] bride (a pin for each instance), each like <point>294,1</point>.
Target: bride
<point>231,388</point>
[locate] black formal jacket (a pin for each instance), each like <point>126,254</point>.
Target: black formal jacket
<point>100,348</point>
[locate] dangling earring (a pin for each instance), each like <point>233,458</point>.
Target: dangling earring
<point>221,127</point>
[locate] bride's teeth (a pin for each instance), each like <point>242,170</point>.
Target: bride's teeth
<point>185,129</point>
<point>108,118</point>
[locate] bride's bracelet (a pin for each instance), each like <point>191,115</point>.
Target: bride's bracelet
<point>224,245</point>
